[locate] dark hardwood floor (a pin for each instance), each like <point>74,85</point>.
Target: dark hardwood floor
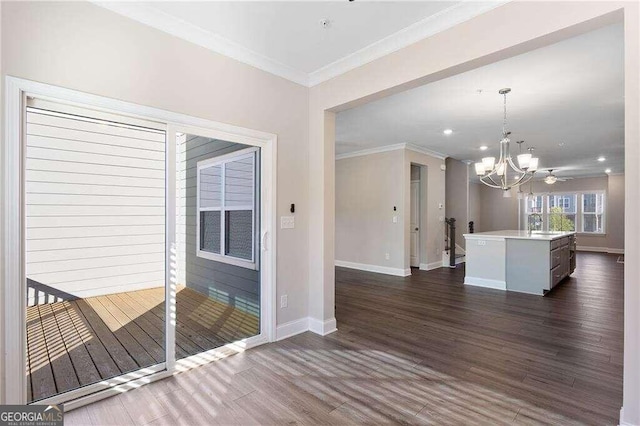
<point>504,356</point>
<point>418,350</point>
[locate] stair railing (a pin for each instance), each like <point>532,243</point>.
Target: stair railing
<point>450,235</point>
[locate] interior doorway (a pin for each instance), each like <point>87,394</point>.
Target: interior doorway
<point>414,214</point>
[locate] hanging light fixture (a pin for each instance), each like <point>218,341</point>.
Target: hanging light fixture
<point>504,174</point>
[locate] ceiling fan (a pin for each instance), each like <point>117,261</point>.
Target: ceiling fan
<point>550,179</point>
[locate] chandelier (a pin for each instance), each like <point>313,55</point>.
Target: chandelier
<point>505,174</point>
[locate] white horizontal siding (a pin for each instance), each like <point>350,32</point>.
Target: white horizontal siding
<point>75,177</point>
<point>91,253</point>
<point>57,232</point>
<point>92,221</point>
<point>66,210</point>
<point>95,206</point>
<point>69,122</point>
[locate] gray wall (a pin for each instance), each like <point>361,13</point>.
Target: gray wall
<point>498,213</point>
<point>615,212</point>
<point>457,196</point>
<point>230,284</point>
<point>475,205</point>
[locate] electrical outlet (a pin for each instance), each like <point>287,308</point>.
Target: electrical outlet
<point>482,243</point>
<point>284,300</point>
<point>386,256</point>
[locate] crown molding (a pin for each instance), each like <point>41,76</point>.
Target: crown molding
<point>148,15</point>
<point>387,148</point>
<point>422,29</point>
<point>421,150</point>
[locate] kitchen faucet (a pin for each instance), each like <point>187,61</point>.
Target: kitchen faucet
<point>534,220</point>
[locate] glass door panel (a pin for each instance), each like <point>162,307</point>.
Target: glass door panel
<point>95,249</point>
<point>218,228</point>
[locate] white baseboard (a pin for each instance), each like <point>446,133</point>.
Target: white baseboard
<point>291,328</point>
<point>398,272</point>
<point>483,282</point>
<point>600,249</point>
<point>322,327</point>
<point>430,266</point>
<point>622,422</point>
<point>302,325</point>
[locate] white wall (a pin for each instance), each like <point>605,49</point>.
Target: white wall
<point>368,187</point>
<point>85,47</point>
<point>2,333</point>
<point>81,46</point>
<point>432,196</point>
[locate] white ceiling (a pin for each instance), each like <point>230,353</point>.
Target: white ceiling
<point>566,101</point>
<point>286,38</point>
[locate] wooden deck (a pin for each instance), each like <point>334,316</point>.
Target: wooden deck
<point>75,343</point>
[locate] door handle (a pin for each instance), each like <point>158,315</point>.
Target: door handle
<point>263,242</point>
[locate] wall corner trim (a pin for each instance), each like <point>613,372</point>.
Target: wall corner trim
<point>430,266</point>
<point>398,272</point>
<point>622,422</point>
<point>292,328</point>
<point>483,282</point>
<point>302,325</point>
<point>322,327</point>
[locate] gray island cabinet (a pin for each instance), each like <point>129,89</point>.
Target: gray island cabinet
<point>518,260</point>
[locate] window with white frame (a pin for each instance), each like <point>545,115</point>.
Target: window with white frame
<point>593,212</point>
<point>226,208</point>
<point>579,211</point>
<point>562,212</point>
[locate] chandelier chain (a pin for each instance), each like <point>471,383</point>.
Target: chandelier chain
<point>504,121</point>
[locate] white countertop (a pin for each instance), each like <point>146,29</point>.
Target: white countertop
<point>521,235</point>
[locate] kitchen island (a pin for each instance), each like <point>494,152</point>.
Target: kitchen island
<point>519,260</point>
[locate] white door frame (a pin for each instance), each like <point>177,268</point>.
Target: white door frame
<point>417,201</point>
<point>13,225</point>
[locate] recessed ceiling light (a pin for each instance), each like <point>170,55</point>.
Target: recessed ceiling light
<point>483,148</point>
<point>607,171</point>
<point>601,159</point>
<point>447,131</point>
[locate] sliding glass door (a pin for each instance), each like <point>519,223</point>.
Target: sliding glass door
<point>217,233</point>
<point>138,248</point>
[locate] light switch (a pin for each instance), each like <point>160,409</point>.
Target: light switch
<point>287,222</point>
<point>395,219</point>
